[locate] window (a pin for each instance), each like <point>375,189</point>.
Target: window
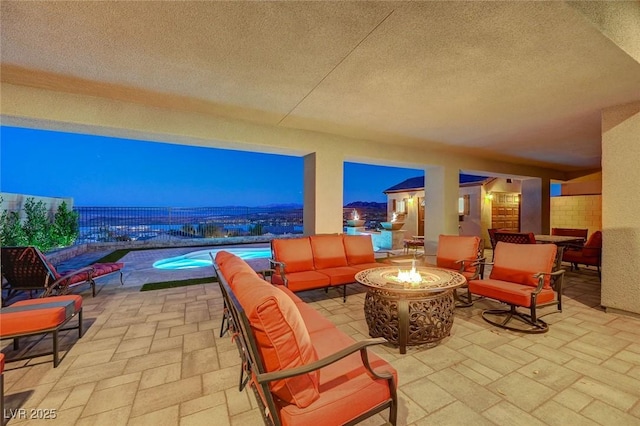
<point>463,205</point>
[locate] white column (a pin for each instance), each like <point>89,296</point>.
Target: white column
<point>621,208</point>
<point>323,193</point>
<point>441,204</point>
<point>535,206</point>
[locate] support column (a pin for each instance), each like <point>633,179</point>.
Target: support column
<point>620,208</point>
<point>441,204</point>
<point>323,193</point>
<point>535,206</point>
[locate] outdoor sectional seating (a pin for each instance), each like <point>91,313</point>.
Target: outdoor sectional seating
<point>27,269</point>
<point>302,368</point>
<point>321,261</point>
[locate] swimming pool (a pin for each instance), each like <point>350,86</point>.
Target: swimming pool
<point>201,258</point>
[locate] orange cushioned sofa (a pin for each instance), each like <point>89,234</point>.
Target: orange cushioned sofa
<point>302,368</point>
<point>321,261</point>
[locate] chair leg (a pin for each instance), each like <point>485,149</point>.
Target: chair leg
<point>2,397</point>
<point>80,325</point>
<point>224,326</point>
<point>463,301</point>
<point>535,325</point>
<point>56,359</point>
<point>344,293</point>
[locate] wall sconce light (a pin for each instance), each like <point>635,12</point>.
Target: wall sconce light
<point>489,196</point>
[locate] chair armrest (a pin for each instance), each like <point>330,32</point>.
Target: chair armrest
<point>541,275</point>
<point>574,246</point>
<point>480,263</point>
<point>266,273</point>
<point>316,365</point>
<point>279,268</point>
<point>59,282</point>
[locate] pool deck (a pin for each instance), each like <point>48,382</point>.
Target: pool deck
<point>156,358</point>
<point>139,270</point>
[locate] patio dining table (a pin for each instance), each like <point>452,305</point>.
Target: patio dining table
<point>559,240</point>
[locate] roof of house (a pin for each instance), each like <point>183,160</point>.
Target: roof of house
<point>417,183</point>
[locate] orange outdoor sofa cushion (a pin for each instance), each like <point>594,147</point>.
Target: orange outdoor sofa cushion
<point>281,336</point>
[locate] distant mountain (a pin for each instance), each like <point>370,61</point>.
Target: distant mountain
<point>366,204</point>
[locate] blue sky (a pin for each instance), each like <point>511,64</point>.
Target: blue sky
<point>102,171</point>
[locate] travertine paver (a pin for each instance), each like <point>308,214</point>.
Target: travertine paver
<point>157,358</point>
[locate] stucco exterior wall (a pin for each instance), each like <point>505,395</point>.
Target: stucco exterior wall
<point>621,208</point>
<point>471,224</point>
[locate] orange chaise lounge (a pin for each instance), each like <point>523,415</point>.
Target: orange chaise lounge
<point>303,369</point>
<point>40,316</point>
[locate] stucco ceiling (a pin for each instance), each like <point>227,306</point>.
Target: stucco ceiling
<point>524,81</point>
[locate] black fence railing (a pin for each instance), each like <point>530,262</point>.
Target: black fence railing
<point>105,224</point>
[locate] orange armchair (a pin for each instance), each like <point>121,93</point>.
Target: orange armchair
<point>462,254</point>
<point>522,277</point>
<point>590,254</point>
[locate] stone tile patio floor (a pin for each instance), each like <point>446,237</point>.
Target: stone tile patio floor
<point>155,358</point>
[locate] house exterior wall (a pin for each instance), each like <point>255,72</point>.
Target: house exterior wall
<point>471,224</point>
<point>410,199</point>
<point>620,209</point>
<point>578,211</point>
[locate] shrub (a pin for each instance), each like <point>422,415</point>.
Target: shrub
<point>65,226</point>
<point>11,232</point>
<point>39,228</point>
<point>37,225</point>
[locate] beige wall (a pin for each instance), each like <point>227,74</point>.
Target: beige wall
<point>578,211</point>
<point>621,208</point>
<point>471,224</point>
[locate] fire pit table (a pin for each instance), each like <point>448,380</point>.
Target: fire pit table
<point>410,307</point>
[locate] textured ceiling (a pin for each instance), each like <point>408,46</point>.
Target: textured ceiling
<point>512,80</point>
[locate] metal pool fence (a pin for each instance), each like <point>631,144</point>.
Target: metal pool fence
<point>106,224</point>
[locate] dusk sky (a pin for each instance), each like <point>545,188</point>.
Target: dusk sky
<point>101,171</point>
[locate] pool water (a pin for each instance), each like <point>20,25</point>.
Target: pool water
<point>202,258</point>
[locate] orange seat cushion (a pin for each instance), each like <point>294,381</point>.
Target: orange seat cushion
<point>358,249</point>
<point>346,388</point>
<point>452,248</point>
<point>299,281</point>
<point>62,300</point>
<point>30,320</point>
<point>328,251</point>
<point>33,315</point>
<point>512,293</point>
<point>295,253</point>
<point>340,275</point>
<point>518,263</point>
<point>281,337</point>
